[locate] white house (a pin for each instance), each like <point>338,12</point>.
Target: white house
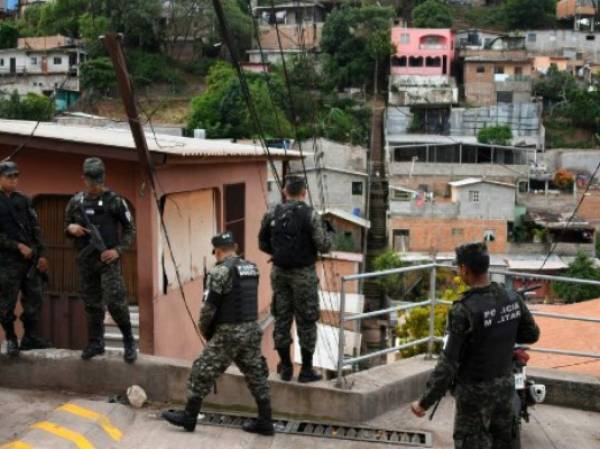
<point>43,65</point>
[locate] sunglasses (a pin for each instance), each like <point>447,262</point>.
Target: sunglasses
<point>13,176</point>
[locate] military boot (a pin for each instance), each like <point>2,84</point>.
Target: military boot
<point>307,374</point>
<point>186,418</point>
<point>285,367</point>
<point>263,425</point>
<point>96,340</point>
<point>12,344</point>
<point>31,339</point>
<point>129,344</point>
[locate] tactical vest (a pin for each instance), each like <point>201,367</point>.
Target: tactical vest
<point>99,213</point>
<point>240,305</point>
<point>8,225</point>
<point>291,236</point>
<point>488,352</point>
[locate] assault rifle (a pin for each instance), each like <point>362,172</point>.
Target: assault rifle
<point>96,241</point>
<point>33,267</point>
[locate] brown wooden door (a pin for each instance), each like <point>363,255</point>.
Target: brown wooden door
<point>63,318</point>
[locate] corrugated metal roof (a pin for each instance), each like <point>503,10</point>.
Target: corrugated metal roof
<point>359,221</point>
<point>534,263</point>
<point>159,143</point>
<point>471,181</point>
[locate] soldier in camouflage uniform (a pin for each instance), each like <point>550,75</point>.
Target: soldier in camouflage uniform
<point>293,233</point>
<point>228,321</point>
<point>483,327</point>
<point>101,224</point>
<point>21,253</point>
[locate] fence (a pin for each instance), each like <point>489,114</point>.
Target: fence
<point>431,339</point>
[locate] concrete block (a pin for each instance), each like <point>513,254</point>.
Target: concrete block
<point>567,389</point>
<point>371,392</point>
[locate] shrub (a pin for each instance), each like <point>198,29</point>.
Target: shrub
<point>31,107</point>
<point>495,135</point>
<point>582,268</point>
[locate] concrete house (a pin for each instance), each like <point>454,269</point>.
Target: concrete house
<point>475,209</point>
<point>206,187</point>
<point>421,66</point>
<point>300,27</point>
<point>43,65</point>
<point>342,171</point>
<point>498,73</point>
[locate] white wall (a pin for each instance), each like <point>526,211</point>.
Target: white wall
<point>495,202</point>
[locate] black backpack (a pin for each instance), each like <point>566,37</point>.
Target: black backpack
<point>291,237</point>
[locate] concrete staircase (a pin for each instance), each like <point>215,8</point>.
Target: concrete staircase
<point>112,335</point>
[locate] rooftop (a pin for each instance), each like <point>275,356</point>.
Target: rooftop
<point>569,335</point>
<point>473,181</point>
<point>122,139</point>
<point>346,216</point>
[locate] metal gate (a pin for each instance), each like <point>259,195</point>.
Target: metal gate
<point>63,318</point>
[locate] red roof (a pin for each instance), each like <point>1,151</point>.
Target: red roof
<point>568,335</point>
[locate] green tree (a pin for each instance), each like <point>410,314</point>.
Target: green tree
<point>352,44</point>
<point>98,75</point>
<point>432,14</point>
<point>528,14</point>
<point>495,135</point>
<point>31,107</point>
<point>222,110</point>
<point>90,29</point>
<point>581,268</point>
<point>555,86</point>
<point>9,34</point>
<point>389,260</point>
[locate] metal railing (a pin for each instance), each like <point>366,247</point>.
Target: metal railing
<point>431,339</point>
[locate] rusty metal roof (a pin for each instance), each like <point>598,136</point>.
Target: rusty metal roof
<point>121,138</point>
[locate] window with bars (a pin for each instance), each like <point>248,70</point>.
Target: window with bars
<point>474,196</point>
<point>235,213</point>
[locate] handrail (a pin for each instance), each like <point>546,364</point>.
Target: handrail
<point>431,339</point>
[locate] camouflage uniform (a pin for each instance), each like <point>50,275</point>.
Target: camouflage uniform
<point>484,415</point>
<point>102,285</point>
<point>239,343</point>
<point>295,290</point>
<point>14,268</point>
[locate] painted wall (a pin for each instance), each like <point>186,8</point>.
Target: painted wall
<point>422,43</point>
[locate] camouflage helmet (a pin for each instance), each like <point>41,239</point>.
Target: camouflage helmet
<point>8,168</point>
<point>93,169</point>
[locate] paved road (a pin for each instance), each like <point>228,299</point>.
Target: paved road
<point>552,428</point>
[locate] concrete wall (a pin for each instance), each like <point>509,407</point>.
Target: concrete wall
<point>412,90</point>
<point>495,202</point>
<point>481,88</point>
<point>523,119</point>
<point>561,249</point>
<point>429,210</point>
<point>564,43</point>
<point>333,155</point>
<point>446,234</point>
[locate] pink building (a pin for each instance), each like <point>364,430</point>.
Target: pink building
<point>422,51</point>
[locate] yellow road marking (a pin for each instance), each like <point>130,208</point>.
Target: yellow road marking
<point>62,432</point>
<point>91,415</point>
<point>16,445</point>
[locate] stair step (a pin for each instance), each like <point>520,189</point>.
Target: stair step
<point>110,336</point>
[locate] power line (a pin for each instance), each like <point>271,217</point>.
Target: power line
<point>226,35</point>
<point>28,139</point>
<point>573,215</point>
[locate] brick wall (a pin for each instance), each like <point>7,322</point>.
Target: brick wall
<point>445,235</point>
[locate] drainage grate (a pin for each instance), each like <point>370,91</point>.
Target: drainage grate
<point>320,430</point>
